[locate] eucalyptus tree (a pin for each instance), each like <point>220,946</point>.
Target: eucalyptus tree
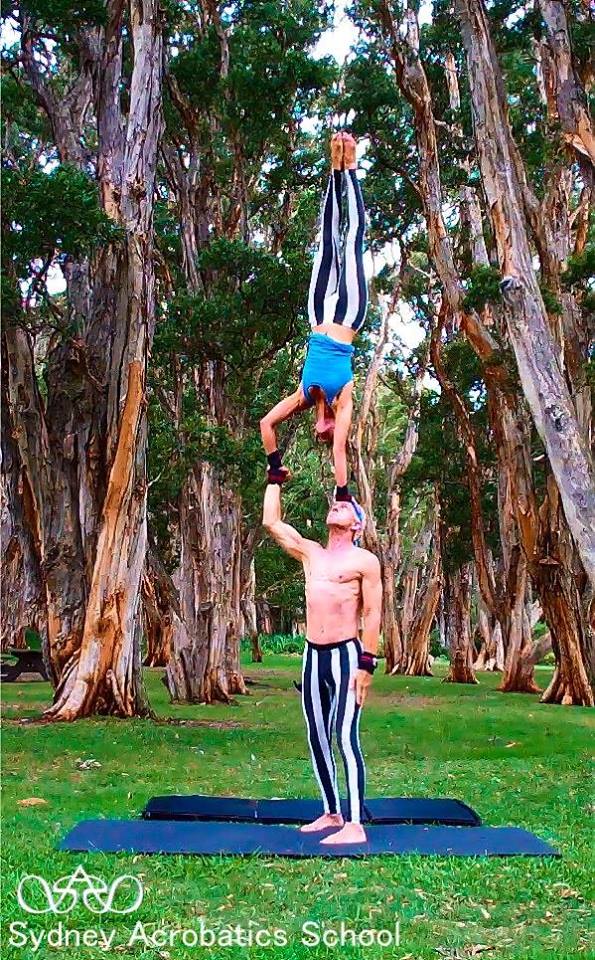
<point>240,183</point>
<point>527,123</point>
<point>90,76</point>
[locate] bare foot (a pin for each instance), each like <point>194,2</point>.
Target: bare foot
<point>337,151</point>
<point>323,823</point>
<point>350,833</point>
<point>349,155</point>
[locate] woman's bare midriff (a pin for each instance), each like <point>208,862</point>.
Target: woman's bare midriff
<point>336,332</point>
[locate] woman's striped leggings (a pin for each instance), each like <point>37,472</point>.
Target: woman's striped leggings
<point>329,701</point>
<point>338,290</point>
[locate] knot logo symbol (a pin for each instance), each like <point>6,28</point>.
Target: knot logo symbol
<point>123,895</point>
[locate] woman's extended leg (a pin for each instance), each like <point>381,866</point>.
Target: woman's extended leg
<point>325,269</point>
<point>353,295</point>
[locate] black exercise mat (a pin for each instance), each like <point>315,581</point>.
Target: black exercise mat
<point>239,809</point>
<point>241,839</point>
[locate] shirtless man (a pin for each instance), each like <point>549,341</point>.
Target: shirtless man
<point>342,585</point>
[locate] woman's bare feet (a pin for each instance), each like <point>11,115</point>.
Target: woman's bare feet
<point>323,823</point>
<point>349,152</point>
<point>337,151</point>
<point>350,833</point>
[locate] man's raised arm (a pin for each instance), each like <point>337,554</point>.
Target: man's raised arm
<point>286,536</point>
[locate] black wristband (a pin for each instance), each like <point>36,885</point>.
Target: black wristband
<point>277,476</point>
<point>367,661</point>
<point>274,460</point>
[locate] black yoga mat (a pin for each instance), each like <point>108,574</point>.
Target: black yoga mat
<point>241,839</point>
<point>380,810</point>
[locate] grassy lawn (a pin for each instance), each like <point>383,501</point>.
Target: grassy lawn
<point>516,761</point>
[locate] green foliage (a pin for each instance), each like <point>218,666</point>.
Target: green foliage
<point>482,287</point>
<point>551,303</point>
<point>436,648</point>
<point>50,216</point>
<point>59,15</point>
<point>276,643</point>
<point>580,268</point>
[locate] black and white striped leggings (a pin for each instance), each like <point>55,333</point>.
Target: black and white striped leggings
<point>328,701</point>
<point>338,291</point>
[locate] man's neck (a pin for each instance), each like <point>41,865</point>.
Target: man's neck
<point>339,539</point>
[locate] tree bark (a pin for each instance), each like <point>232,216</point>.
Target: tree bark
<point>457,602</point>
<point>248,599</point>
<point>205,664</point>
<point>23,595</point>
<point>491,647</point>
<point>572,635</point>
<point>564,93</point>
<point>416,657</point>
<point>161,610</point>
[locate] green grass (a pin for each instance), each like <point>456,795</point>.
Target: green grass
<point>513,759</point>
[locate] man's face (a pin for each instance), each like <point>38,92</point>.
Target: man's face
<point>341,515</point>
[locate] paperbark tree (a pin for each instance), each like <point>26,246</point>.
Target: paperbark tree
<point>83,448</point>
<point>385,544</point>
<point>530,335</point>
<point>457,604</point>
<point>220,136</point>
<point>506,411</point>
<point>23,596</point>
<point>453,314</point>
<point>161,610</point>
<point>416,635</point>
<point>516,217</point>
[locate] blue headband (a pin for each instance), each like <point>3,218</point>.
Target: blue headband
<point>360,517</point>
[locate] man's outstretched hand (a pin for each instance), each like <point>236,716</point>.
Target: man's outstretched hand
<point>360,683</point>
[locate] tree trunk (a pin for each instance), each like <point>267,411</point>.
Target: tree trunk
<point>572,635</point>
<point>566,98</point>
<point>415,661</point>
<point>457,601</point>
<point>22,595</point>
<point>248,603</point>
<point>491,652</point>
<point>205,665</point>
<point>161,610</point>
<point>391,630</point>
<point>409,595</point>
<point>263,617</point>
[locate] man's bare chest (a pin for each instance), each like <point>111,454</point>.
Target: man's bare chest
<point>336,573</point>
